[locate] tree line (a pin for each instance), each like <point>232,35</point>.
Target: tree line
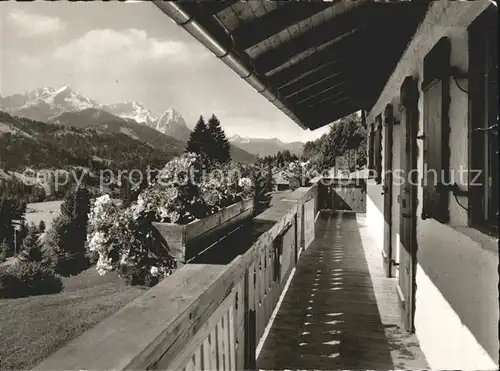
<point>280,159</point>
<point>346,139</point>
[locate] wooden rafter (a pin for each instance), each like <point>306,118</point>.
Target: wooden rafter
<point>310,79</point>
<point>332,99</point>
<point>335,80</point>
<point>320,94</point>
<point>213,7</point>
<point>315,37</point>
<point>271,23</point>
<point>302,68</point>
<point>316,118</point>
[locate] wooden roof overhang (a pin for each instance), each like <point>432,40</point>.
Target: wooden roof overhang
<point>316,61</point>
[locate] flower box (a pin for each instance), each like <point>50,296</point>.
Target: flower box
<point>294,183</point>
<point>179,237</point>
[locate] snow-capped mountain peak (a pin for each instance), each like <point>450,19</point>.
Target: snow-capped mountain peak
<point>65,97</point>
<point>47,102</point>
<point>238,139</point>
<point>172,115</point>
<point>63,88</point>
<point>41,94</point>
<point>132,110</point>
<point>172,123</point>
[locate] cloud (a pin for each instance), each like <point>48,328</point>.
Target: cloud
<point>128,47</point>
<point>34,25</point>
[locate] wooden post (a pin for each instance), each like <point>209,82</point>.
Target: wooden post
<point>363,118</point>
<point>250,329</point>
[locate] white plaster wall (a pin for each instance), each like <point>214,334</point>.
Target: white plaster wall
<point>375,212</point>
<point>396,190</point>
<point>456,316</point>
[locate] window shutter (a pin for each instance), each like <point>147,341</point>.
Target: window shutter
<point>483,108</point>
<point>436,89</point>
<point>371,149</point>
<point>378,150</point>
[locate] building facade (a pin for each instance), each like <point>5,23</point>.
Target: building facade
<point>437,229</point>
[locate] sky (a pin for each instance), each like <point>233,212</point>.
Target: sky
<point>113,52</point>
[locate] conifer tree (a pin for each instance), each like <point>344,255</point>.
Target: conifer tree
<point>32,247</point>
<point>197,142</point>
<point>68,206</point>
<point>6,229</point>
<point>80,219</point>
<point>218,148</point>
<point>125,191</point>
<point>4,250</point>
<point>41,226</point>
<point>66,239</point>
<point>197,138</point>
<point>21,234</point>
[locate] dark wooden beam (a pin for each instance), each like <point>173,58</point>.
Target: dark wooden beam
<point>271,23</point>
<point>212,7</point>
<point>369,74</point>
<point>320,95</point>
<point>314,77</point>
<point>319,118</point>
<point>335,97</point>
<point>337,27</point>
<point>301,69</point>
<point>320,86</point>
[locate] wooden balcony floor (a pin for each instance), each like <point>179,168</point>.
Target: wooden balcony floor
<point>340,311</point>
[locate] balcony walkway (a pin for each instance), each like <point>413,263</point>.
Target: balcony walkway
<point>340,311</point>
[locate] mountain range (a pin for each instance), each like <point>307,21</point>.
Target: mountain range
<point>46,104</point>
<point>66,107</point>
<point>266,147</point>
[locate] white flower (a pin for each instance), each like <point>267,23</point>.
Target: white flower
<point>97,241</point>
<point>245,183</point>
<point>100,210</point>
<point>163,211</point>
<point>154,271</point>
<point>174,216</point>
<point>124,258</point>
<point>103,265</point>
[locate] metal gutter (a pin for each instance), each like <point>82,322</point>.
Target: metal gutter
<point>187,21</point>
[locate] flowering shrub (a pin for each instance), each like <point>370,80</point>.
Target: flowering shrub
<point>300,172</point>
<point>123,238</point>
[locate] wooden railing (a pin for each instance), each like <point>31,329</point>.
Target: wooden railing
<point>348,194</point>
<point>204,316</point>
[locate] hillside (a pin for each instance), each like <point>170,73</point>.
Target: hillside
<point>107,122</point>
<point>28,143</point>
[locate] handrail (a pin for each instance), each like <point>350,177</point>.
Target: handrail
<point>203,316</point>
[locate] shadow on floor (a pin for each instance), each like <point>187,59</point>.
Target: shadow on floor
<point>329,318</point>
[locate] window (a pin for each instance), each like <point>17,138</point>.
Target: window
<point>436,154</point>
<point>483,119</point>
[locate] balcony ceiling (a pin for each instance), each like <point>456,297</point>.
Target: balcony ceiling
<point>323,60</point>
